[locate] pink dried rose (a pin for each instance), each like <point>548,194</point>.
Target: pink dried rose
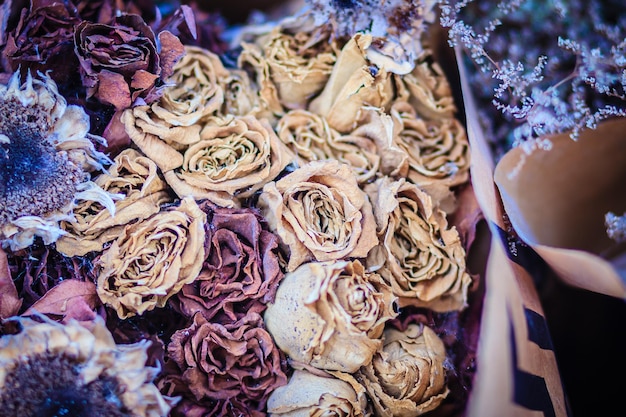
<point>330,315</point>
<point>123,60</point>
<point>236,362</point>
<point>419,255</point>
<point>320,213</point>
<point>241,271</point>
<point>43,39</point>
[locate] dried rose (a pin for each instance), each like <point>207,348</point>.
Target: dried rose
<point>353,84</point>
<point>45,158</point>
<point>309,394</point>
<point>75,368</point>
<point>330,315</point>
<point>194,91</point>
<point>43,39</point>
<point>152,259</point>
<point>123,60</point>
<point>232,363</point>
<point>406,378</point>
<point>139,191</point>
<point>311,139</point>
<point>427,89</point>
<point>241,271</point>
<point>251,60</point>
<point>240,97</point>
<point>438,149</point>
<point>419,256</point>
<point>299,64</point>
<point>320,213</point>
<point>230,162</point>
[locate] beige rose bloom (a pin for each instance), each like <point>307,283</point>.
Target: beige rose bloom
<point>152,259</point>
<point>299,63</point>
<point>320,213</point>
<point>252,59</point>
<point>230,162</point>
<point>419,256</point>
<point>330,315</point>
<point>194,91</point>
<point>311,139</point>
<point>139,191</point>
<point>438,152</point>
<point>406,378</point>
<point>427,89</point>
<point>308,394</point>
<point>353,84</point>
<point>83,363</point>
<point>240,96</point>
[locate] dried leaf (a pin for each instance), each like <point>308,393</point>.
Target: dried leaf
<point>10,303</point>
<point>69,297</point>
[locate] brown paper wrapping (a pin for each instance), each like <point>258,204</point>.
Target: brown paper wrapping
<point>517,373</point>
<point>556,200</point>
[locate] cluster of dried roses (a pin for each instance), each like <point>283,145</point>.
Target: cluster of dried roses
<point>286,208</point>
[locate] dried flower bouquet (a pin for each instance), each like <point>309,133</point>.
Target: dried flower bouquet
<point>190,229</point>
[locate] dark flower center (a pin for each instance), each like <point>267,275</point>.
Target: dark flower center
<point>34,178</point>
<point>51,386</point>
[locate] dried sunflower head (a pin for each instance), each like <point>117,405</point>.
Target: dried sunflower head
<point>54,369</point>
<point>45,156</point>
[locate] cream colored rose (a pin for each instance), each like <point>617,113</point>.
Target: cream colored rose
<point>311,139</point>
<point>139,191</point>
<point>406,378</point>
<point>194,91</point>
<point>353,84</point>
<point>240,97</point>
<point>330,315</point>
<point>419,256</point>
<point>230,162</point>
<point>427,89</point>
<point>152,259</point>
<point>320,213</point>
<point>438,149</point>
<point>299,64</point>
<point>307,394</point>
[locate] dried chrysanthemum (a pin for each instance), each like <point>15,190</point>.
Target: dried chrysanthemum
<point>53,369</point>
<point>406,378</point>
<point>419,255</point>
<point>330,315</point>
<point>45,158</point>
<point>135,179</point>
<point>152,259</point>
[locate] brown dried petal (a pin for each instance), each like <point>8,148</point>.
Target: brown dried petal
<point>330,315</point>
<point>241,272</point>
<point>230,162</point>
<point>406,378</point>
<point>353,84</point>
<point>132,177</point>
<point>320,213</point>
<point>419,256</point>
<point>309,394</point>
<point>152,259</point>
<point>10,302</point>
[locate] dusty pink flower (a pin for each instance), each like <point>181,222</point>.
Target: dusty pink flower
<point>241,271</point>
<point>123,60</point>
